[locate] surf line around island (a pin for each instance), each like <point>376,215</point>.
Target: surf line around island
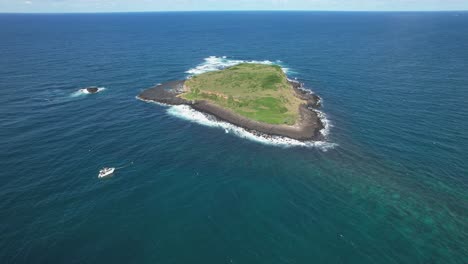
<point>188,113</point>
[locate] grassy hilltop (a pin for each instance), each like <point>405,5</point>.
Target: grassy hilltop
<point>256,91</point>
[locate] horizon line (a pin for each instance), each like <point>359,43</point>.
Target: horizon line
<point>220,11</point>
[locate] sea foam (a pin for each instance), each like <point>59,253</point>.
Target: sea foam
<point>214,63</point>
<point>187,113</point>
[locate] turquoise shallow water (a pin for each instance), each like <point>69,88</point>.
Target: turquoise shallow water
<point>392,188</point>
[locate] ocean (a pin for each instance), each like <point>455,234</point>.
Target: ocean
<point>389,184</point>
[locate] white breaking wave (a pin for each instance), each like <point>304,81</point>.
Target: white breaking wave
<point>325,122</point>
<point>214,63</point>
<point>151,101</point>
<point>188,113</point>
<point>81,92</point>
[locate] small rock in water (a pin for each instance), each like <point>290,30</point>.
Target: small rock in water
<point>92,90</point>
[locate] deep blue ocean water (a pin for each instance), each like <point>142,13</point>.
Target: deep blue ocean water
<point>392,189</point>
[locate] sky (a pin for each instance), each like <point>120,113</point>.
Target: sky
<point>73,6</point>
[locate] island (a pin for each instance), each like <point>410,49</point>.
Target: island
<point>257,97</point>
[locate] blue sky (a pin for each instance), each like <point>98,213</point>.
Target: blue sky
<point>193,5</point>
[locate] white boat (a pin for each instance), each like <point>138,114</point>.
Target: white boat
<point>106,172</point>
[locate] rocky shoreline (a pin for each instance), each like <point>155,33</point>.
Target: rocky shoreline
<point>308,127</point>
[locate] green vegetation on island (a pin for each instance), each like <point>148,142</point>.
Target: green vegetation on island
<point>257,91</point>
